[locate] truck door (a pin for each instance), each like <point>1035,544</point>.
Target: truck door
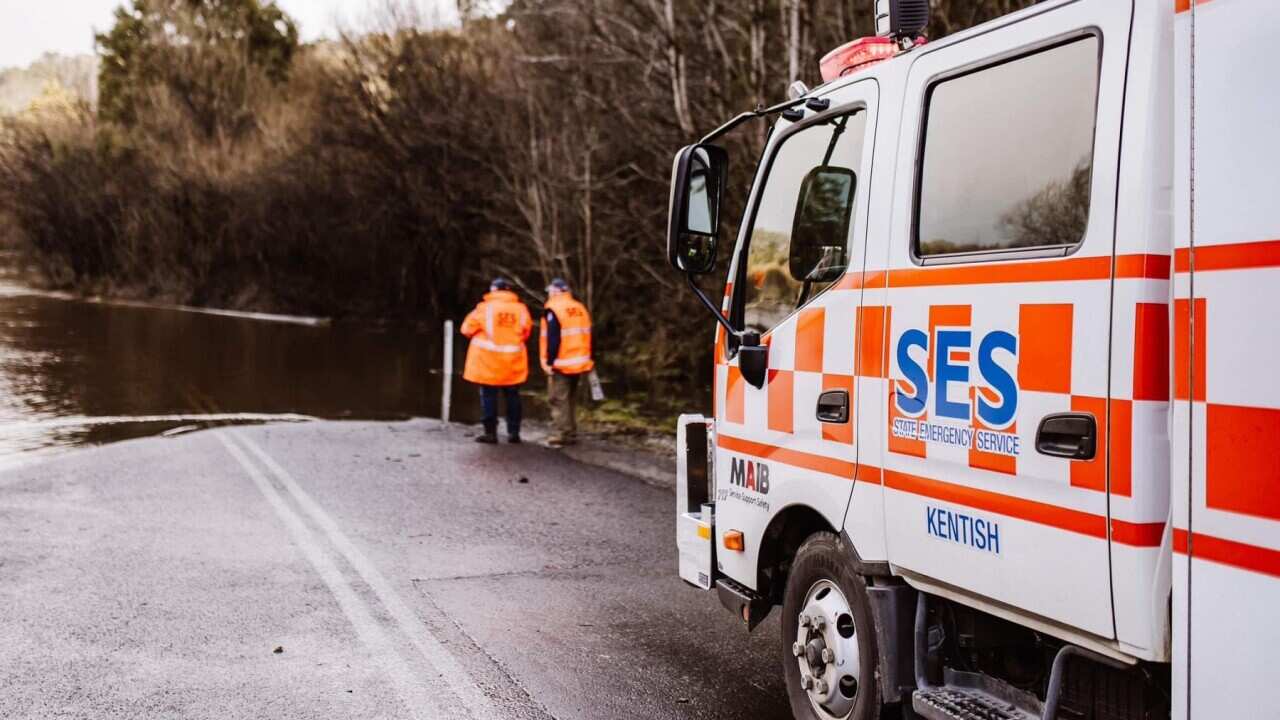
<point>1226,331</point>
<point>999,303</point>
<point>804,229</point>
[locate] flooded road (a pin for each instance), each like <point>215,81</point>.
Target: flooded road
<point>75,373</point>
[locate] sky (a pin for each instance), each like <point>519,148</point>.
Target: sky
<point>29,28</point>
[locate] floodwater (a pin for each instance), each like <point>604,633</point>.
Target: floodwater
<point>78,373</point>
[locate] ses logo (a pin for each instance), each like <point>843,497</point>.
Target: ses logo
<point>749,474</point>
<point>994,402</point>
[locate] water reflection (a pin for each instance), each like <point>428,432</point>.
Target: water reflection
<point>74,373</point>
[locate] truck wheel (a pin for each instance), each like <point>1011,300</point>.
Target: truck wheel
<point>828,639</point>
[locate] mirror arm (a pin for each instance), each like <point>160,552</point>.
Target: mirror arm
<point>706,301</point>
<point>750,115</point>
<point>805,289</point>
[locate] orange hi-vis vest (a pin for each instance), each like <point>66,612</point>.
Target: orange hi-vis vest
<point>498,329</point>
<point>574,356</point>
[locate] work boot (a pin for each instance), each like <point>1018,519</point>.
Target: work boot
<point>514,439</point>
<point>557,441</point>
<point>490,435</point>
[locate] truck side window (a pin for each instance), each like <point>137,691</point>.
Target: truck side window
<point>813,172</point>
<point>1008,154</point>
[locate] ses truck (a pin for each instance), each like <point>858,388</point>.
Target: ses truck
<point>996,396</point>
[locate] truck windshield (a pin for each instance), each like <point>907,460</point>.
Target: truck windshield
<point>770,291</point>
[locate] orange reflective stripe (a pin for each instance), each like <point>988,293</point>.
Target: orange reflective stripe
<point>808,461</point>
<point>1233,256</point>
<point>1148,535</point>
<point>1227,552</point>
<point>857,279</point>
<point>1181,6</point>
<point>1143,267</point>
<point>869,474</point>
<point>1086,268</point>
<point>1127,267</point>
<point>1124,532</point>
<point>1076,521</point>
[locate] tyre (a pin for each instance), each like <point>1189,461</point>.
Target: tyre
<point>828,635</point>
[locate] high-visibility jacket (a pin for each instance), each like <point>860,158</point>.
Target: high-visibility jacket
<point>573,356</point>
<point>498,329</point>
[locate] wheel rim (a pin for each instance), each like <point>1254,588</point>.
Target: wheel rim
<point>826,650</point>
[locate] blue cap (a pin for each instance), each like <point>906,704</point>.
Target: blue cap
<point>499,284</point>
<point>558,284</point>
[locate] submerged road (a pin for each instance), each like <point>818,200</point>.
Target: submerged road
<point>356,570</point>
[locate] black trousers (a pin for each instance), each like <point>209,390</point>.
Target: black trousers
<point>489,407</point>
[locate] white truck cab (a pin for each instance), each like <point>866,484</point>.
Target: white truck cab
<point>995,383</point>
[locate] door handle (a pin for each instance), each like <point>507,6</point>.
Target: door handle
<point>1068,435</point>
<point>833,406</point>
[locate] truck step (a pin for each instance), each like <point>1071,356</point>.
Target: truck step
<point>969,696</point>
<point>957,704</point>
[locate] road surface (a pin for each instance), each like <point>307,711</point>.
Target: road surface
<point>363,570</point>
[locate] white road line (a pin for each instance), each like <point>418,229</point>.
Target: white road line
<point>432,650</point>
<point>412,691</point>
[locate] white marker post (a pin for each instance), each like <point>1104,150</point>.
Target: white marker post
<point>446,393</point>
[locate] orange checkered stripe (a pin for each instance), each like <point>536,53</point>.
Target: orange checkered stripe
<point>1044,362</point>
<point>1044,366</point>
<point>810,339</point>
<point>1241,466</point>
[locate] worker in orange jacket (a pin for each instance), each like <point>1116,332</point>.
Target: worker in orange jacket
<point>496,357</point>
<point>564,346</point>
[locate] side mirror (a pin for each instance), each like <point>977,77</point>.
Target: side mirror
<point>698,178</point>
<point>820,231</point>
<point>753,359</point>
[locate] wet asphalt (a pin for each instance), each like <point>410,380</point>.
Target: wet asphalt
<point>362,570</point>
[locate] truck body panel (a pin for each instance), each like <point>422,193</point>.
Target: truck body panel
<point>1226,331</point>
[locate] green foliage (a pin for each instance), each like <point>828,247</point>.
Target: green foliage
<point>636,414</point>
<point>207,54</point>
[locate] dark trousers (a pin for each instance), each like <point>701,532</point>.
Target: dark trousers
<point>489,407</point>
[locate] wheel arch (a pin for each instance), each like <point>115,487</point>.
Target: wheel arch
<point>782,538</point>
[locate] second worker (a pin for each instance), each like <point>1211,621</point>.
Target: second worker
<point>565,351</point>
